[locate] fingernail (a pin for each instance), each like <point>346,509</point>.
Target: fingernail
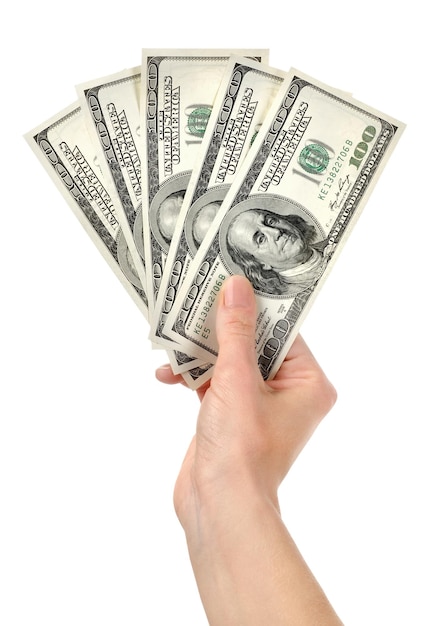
<point>237,292</point>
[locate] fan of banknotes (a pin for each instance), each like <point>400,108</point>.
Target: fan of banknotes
<point>199,164</point>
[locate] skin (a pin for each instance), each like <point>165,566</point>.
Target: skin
<point>249,433</point>
<point>276,244</point>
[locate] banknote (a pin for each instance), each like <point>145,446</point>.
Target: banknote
<point>286,216</point>
<point>63,146</point>
<point>242,101</point>
<point>178,88</point>
<point>111,107</point>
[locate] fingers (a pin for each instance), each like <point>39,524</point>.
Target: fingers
<point>300,349</point>
<point>301,373</point>
<point>235,327</point>
<point>165,375</point>
<point>300,358</point>
<point>299,363</point>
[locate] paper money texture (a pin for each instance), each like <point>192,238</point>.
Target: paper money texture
<point>286,216</point>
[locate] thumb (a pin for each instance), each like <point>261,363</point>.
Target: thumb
<point>235,328</point>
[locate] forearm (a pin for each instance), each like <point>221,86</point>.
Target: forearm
<point>250,572</point>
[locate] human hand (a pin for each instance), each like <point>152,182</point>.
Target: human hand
<point>249,431</point>
<point>248,434</point>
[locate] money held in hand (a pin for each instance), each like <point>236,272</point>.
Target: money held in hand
<point>280,218</point>
<point>287,214</point>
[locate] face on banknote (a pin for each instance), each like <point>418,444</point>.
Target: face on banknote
<point>200,164</point>
<point>242,101</point>
<point>286,216</point>
<point>178,88</point>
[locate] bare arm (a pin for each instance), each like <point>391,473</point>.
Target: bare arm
<point>249,432</point>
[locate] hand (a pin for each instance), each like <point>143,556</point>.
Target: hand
<point>249,432</point>
<point>246,426</point>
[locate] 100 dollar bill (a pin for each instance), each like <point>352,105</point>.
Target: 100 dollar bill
<point>178,88</point>
<point>111,108</point>
<point>286,216</point>
<point>64,148</point>
<point>243,99</point>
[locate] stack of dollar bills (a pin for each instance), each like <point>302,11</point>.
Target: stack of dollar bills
<point>199,164</point>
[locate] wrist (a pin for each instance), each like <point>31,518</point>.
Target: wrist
<point>237,557</point>
<point>247,567</point>
<point>218,511</point>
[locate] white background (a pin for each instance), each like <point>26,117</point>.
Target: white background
<point>90,443</point>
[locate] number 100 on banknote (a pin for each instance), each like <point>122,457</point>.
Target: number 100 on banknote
<point>286,215</point>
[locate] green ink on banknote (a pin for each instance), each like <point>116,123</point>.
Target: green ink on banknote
<point>314,158</point>
<point>198,120</point>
